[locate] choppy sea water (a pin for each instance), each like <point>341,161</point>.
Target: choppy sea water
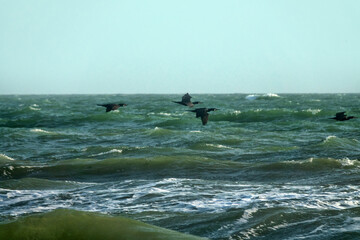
<point>265,166</point>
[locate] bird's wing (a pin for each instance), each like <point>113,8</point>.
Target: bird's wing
<point>204,119</point>
<point>340,114</point>
<point>189,104</point>
<point>186,98</point>
<point>180,103</point>
<point>109,108</point>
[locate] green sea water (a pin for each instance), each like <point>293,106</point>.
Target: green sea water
<point>265,166</point>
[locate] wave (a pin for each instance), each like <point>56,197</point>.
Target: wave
<point>166,114</point>
<point>260,115</point>
<point>5,158</point>
<point>267,96</point>
<point>123,167</point>
<point>312,223</point>
<point>112,151</point>
<point>312,165</point>
<point>337,142</point>
<point>38,184</point>
<point>39,130</point>
<point>209,147</point>
<point>158,131</point>
<point>70,224</point>
<point>175,166</point>
<point>338,146</point>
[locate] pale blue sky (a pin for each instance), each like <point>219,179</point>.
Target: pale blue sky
<point>178,46</point>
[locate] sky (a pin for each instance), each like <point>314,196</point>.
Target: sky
<point>179,46</point>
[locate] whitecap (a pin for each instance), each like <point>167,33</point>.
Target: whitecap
<point>217,146</point>
<point>34,108</point>
<point>248,213</point>
<point>7,171</point>
<point>313,111</point>
<point>39,130</point>
<point>271,95</point>
<point>264,96</point>
<point>166,114</point>
<point>328,138</point>
<point>348,162</point>
<point>108,152</point>
<point>237,112</point>
<point>251,97</point>
<point>3,156</point>
<point>158,190</point>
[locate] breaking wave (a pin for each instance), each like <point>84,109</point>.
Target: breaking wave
<point>262,97</point>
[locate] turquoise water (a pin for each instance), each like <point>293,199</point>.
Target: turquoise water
<point>265,166</point>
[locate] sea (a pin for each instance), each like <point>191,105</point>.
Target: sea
<point>265,166</point>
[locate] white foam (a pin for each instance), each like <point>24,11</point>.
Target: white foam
<point>255,96</point>
<point>328,138</point>
<point>348,162</point>
<point>35,109</point>
<point>39,130</point>
<point>108,152</point>
<point>158,190</point>
<point>313,111</point>
<point>7,171</point>
<point>271,95</point>
<point>217,146</point>
<point>6,157</point>
<point>251,97</point>
<point>247,215</point>
<point>237,112</point>
<point>166,114</point>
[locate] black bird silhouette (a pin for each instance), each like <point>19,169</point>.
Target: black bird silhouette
<point>186,101</point>
<point>341,116</point>
<point>203,113</point>
<point>112,106</point>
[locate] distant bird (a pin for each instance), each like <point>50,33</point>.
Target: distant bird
<point>112,106</point>
<point>341,116</point>
<point>203,113</point>
<point>186,101</point>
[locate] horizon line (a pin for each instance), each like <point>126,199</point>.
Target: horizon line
<point>32,94</point>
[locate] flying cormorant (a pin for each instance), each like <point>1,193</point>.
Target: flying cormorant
<point>203,113</point>
<point>112,106</point>
<point>341,116</point>
<point>186,101</point>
